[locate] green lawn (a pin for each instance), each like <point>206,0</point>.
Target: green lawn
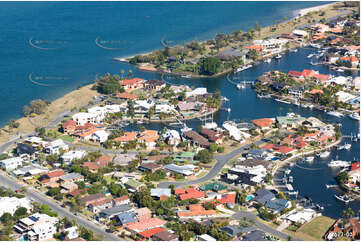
<point>67,138</point>
<point>313,230</point>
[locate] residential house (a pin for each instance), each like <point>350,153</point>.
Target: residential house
<point>263,195</point>
<point>11,163</point>
<point>124,159</point>
<point>278,204</point>
<point>231,230</point>
<point>206,237</point>
<point>184,157</point>
<point>131,84</point>
<point>213,136</point>
<point>99,136</point>
<point>121,200</point>
<point>30,171</point>
<point>263,123</point>
<point>303,216</point>
<point>69,186</point>
<point>125,218</point>
<point>165,236</point>
<point>258,154</point>
<point>37,227</point>
<point>348,227</point>
<point>127,96</point>
<point>185,170</point>
<point>69,126</point>
<point>127,136</point>
<point>295,91</point>
<point>143,214</point>
<point>72,177</point>
<point>93,198</point>
<point>196,211</point>
<point>112,212</point>
<point>256,235</point>
<point>214,186</point>
<point>172,137</point>
<point>189,193</point>
<point>144,225</point>
<point>150,167</point>
<point>196,139</point>
<point>133,185</point>
<point>54,147</point>
<point>11,204</point>
<point>148,137</point>
<point>160,193</point>
<point>155,85</point>
<point>100,162</point>
<point>84,118</point>
<point>149,233</point>
<point>72,155</point>
<point>52,176</point>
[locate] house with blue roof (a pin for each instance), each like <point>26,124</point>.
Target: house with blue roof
<point>125,218</point>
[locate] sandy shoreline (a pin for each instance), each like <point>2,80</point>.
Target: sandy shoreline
<point>304,11</point>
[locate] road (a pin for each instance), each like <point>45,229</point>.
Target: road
<point>222,160</point>
<point>261,226</point>
<point>37,196</point>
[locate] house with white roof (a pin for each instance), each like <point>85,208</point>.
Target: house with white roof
<point>55,146</point>
<point>197,91</point>
<point>186,170</point>
<point>99,136</point>
<point>37,227</point>
<point>344,96</point>
<point>11,163</point>
<point>73,154</point>
<point>172,137</point>
<point>303,216</point>
<point>30,170</point>
<point>11,204</point>
<point>84,118</point>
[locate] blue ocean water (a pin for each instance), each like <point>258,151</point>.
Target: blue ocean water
<point>65,33</point>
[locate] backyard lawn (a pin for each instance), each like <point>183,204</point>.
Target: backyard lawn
<point>313,230</point>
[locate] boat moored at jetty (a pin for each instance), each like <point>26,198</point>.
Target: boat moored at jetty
<point>324,154</point>
<point>335,114</point>
<point>354,116</point>
<point>344,147</point>
<point>309,158</point>
<point>344,198</point>
<point>339,163</point>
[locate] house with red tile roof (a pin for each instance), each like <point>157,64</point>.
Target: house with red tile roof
<point>179,191</point>
<point>353,59</point>
<point>127,96</point>
<point>196,211</point>
<point>148,137</point>
<point>284,149</point>
<point>227,198</point>
<point>121,200</point>
<point>258,48</point>
<point>148,224</point>
<point>191,193</point>
<point>69,126</point>
<point>355,166</point>
<point>52,176</point>
<point>128,136</point>
<point>321,78</point>
<point>263,123</point>
<point>134,83</point>
<point>296,74</point>
<point>149,233</point>
<point>314,91</point>
<point>308,73</point>
<point>100,162</point>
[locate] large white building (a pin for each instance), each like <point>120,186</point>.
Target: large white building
<point>37,227</point>
<point>11,204</point>
<point>55,146</point>
<point>11,163</point>
<point>73,154</point>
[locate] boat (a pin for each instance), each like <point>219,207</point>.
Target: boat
<point>290,179</point>
<point>239,86</point>
<point>339,163</point>
<point>324,154</point>
<point>210,125</point>
<point>186,76</point>
<point>344,198</point>
<point>263,95</point>
<point>309,158</point>
<point>319,207</point>
<point>278,56</point>
<point>268,60</point>
<point>354,116</point>
<point>294,50</point>
<point>331,186</point>
<point>287,171</point>
<point>316,46</point>
<point>243,68</point>
<point>339,70</point>
<point>310,55</point>
<point>344,147</point>
<point>293,193</point>
<point>139,122</point>
<point>335,114</point>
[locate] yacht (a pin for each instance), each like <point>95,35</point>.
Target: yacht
<point>186,76</point>
<point>344,147</point>
<point>335,114</point>
<point>263,95</point>
<point>354,116</point>
<point>309,158</point>
<point>339,163</point>
<point>278,56</point>
<point>310,55</point>
<point>243,68</point>
<point>324,154</point>
<point>339,70</point>
<point>344,198</point>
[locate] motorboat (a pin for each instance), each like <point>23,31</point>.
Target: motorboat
<point>268,60</point>
<point>243,68</point>
<point>339,70</point>
<point>354,116</point>
<point>316,46</point>
<point>344,147</point>
<point>339,163</point>
<point>335,114</point>
<point>290,179</point>
<point>278,56</point>
<point>186,76</point>
<point>282,101</point>
<point>344,198</point>
<point>263,95</point>
<point>210,125</point>
<point>309,158</point>
<point>294,50</point>
<point>324,154</point>
<point>310,55</point>
<point>287,171</point>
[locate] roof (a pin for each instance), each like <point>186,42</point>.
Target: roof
<point>263,195</point>
<point>69,123</point>
<point>116,210</point>
<point>191,193</point>
<point>307,73</point>
<point>185,169</point>
<point>145,224</point>
<point>93,197</point>
<point>150,166</point>
<point>55,173</point>
<point>143,211</point>
<point>149,233</point>
<point>276,204</point>
<point>352,58</point>
<point>121,198</point>
<point>314,91</point>
<point>71,176</point>
<point>295,73</point>
<point>131,81</point>
<point>255,47</point>
<point>263,122</point>
<point>155,82</point>
<point>231,230</point>
<point>228,198</point>
<point>165,236</point>
<point>128,136</point>
<point>284,149</point>
<point>158,192</point>
<point>156,157</point>
<point>133,183</point>
<point>126,217</point>
<point>214,186</point>
<point>196,138</point>
<point>257,235</point>
<point>126,95</point>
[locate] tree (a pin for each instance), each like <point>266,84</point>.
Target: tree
<point>108,84</point>
<point>20,213</point>
<point>6,219</point>
<point>209,65</point>
<point>213,147</point>
<point>257,27</point>
<point>13,124</point>
<point>130,109</point>
<point>349,213</point>
<point>204,156</point>
<point>38,106</point>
